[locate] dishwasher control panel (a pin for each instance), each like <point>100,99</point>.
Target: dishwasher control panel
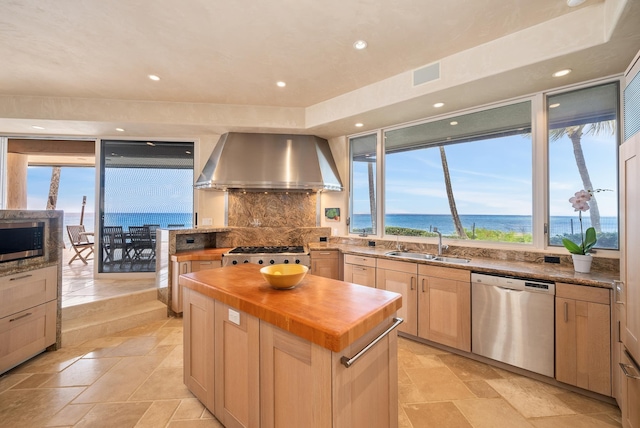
<point>515,283</point>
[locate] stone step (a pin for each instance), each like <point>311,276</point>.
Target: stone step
<point>99,322</point>
<point>108,304</point>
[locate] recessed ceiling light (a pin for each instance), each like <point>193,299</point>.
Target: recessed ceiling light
<point>562,72</point>
<point>574,3</point>
<point>281,84</point>
<point>359,125</point>
<point>438,105</point>
<point>37,127</point>
<point>453,123</point>
<point>120,129</point>
<point>360,44</point>
<point>554,105</point>
<point>154,77</point>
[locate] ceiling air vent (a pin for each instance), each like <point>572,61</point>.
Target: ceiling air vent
<point>426,74</point>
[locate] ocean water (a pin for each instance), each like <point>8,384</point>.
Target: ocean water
<point>559,225</point>
<point>128,219</point>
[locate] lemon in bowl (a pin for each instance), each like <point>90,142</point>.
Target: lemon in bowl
<point>284,276</point>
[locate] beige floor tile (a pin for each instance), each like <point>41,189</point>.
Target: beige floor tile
<point>150,329</point>
<point>530,399</point>
<point>8,380</point>
<point>69,415</point>
<point>199,423</point>
<point>33,407</point>
<point>83,372</point>
<point>109,415</point>
<point>572,421</point>
<point>403,419</point>
<point>51,362</point>
<point>491,413</point>
<point>103,342</point>
<point>436,415</point>
<point>438,384</point>
<point>33,381</point>
<point>173,336</point>
<point>481,389</point>
<point>403,377</point>
<point>467,369</point>
<point>189,408</point>
<point>582,404</point>
<point>164,383</point>
<point>175,357</point>
<point>158,414</point>
<point>121,381</point>
<point>134,346</point>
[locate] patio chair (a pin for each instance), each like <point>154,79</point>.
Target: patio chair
<point>141,243</point>
<point>113,239</point>
<point>80,243</point>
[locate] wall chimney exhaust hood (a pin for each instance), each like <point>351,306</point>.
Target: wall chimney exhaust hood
<point>283,162</point>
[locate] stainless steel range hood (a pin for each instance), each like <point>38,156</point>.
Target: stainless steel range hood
<point>270,162</point>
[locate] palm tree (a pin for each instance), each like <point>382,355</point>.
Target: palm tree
<point>575,134</point>
<point>452,202</point>
<point>52,200</point>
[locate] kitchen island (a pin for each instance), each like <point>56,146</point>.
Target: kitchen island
<point>256,356</point>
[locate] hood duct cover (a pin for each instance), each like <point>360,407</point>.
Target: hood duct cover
<point>270,162</point>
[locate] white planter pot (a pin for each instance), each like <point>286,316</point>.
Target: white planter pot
<point>582,263</point>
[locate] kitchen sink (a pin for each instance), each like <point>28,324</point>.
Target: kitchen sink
<point>425,256</point>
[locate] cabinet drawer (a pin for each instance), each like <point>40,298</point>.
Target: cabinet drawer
<point>26,333</point>
<point>324,254</point>
<point>198,265</point>
<point>445,272</point>
<point>582,292</point>
<point>406,267</point>
<point>27,289</point>
<point>359,260</point>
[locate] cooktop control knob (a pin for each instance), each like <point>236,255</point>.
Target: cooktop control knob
<point>297,261</point>
<point>246,261</point>
<point>260,262</point>
<point>272,261</point>
<point>286,262</point>
<point>235,262</point>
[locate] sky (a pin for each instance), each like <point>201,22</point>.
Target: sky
<point>492,177</point>
<point>127,190</point>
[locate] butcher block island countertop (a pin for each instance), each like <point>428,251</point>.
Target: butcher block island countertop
<point>328,312</point>
<point>323,354</point>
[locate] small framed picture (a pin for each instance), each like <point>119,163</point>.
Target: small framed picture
<point>332,214</point>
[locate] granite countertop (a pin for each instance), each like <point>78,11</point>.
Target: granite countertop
<point>547,271</point>
<point>327,312</point>
<point>203,254</point>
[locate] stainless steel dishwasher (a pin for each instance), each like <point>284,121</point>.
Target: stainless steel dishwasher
<point>512,321</point>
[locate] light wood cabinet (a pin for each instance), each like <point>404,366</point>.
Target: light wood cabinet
<point>325,263</point>
<point>237,351</point>
<point>402,278</point>
<point>583,337</point>
<point>630,406</point>
<point>199,345</point>
<point>183,267</point>
<point>444,306</point>
<point>360,270</point>
<point>28,314</point>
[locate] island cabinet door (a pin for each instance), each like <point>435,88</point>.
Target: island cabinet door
<point>366,393</point>
<point>295,381</point>
<point>237,364</point>
<point>198,322</point>
<point>402,278</point>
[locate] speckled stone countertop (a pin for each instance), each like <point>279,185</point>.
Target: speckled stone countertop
<point>547,271</point>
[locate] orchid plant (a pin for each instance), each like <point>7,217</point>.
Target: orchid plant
<point>580,203</point>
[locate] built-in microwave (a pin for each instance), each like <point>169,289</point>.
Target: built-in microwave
<point>21,240</point>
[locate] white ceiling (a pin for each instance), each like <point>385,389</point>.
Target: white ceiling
<point>227,54</point>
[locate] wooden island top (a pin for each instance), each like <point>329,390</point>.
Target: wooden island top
<point>327,312</point>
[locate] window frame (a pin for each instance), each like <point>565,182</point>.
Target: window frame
<point>540,170</point>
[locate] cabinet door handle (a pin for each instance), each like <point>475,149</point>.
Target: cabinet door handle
<point>20,277</point>
<point>617,289</point>
<point>324,253</point>
<point>625,369</point>
<point>423,285</point>
<point>348,362</point>
<point>411,282</point>
<point>566,312</point>
<point>205,263</point>
<point>20,317</point>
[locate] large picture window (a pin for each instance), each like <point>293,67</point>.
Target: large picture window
<point>468,177</point>
<point>583,147</point>
<point>363,184</point>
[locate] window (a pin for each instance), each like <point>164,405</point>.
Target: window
<point>363,184</point>
<point>583,147</point>
<point>468,176</point>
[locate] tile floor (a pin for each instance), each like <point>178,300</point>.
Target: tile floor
<point>79,286</point>
<point>134,379</point>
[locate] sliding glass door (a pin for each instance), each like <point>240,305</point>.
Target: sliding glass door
<point>144,185</point>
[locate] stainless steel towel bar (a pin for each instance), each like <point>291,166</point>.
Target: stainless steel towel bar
<point>348,362</point>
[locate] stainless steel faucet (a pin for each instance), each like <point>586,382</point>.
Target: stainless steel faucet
<point>435,229</point>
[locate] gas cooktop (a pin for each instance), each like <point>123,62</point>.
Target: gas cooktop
<point>269,250</point>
